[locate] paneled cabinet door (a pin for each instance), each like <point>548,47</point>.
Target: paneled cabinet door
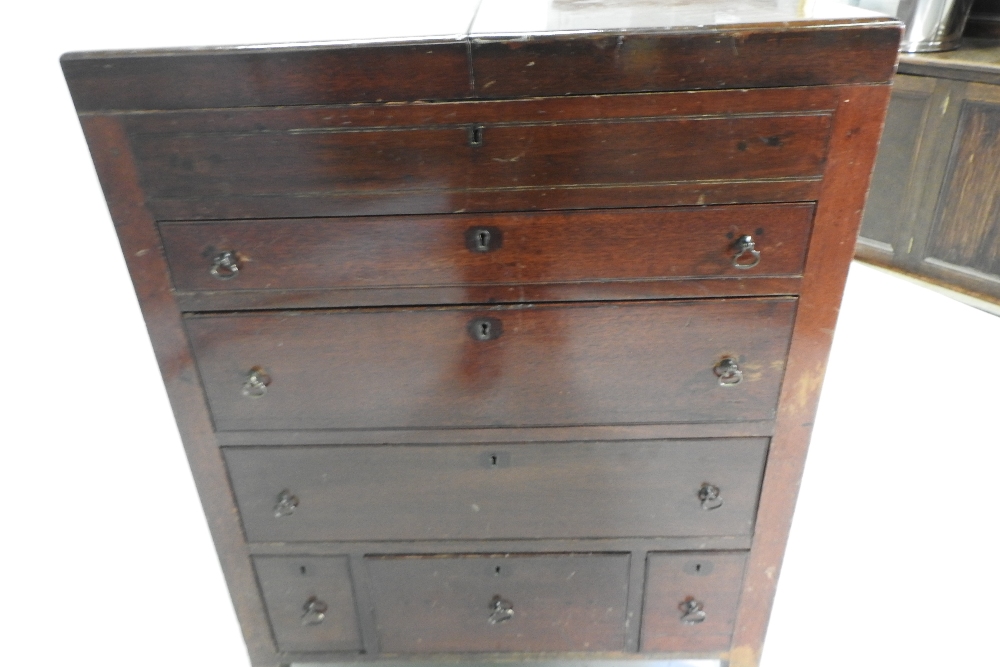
<point>934,207</point>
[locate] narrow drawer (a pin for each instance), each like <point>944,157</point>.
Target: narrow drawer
<point>511,249</point>
<point>551,490</point>
<point>493,603</point>
<point>310,602</point>
<point>612,363</point>
<point>691,599</point>
<point>452,157</point>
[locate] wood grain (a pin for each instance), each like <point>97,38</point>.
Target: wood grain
<point>498,491</point>
<point>564,602</point>
<point>620,363</point>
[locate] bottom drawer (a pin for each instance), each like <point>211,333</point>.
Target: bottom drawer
<point>691,600</point>
<point>502,602</point>
<point>310,602</point>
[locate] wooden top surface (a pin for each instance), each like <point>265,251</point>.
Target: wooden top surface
<point>385,51</point>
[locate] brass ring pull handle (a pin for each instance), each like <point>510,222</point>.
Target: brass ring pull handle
<point>256,383</point>
<point>485,328</point>
<point>728,371</point>
<point>692,612</point>
<point>501,610</point>
<point>225,265</point>
<point>315,611</point>
<point>285,504</point>
<point>710,497</point>
<point>747,256</point>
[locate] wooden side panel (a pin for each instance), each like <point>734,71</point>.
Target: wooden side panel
<point>266,77</point>
<point>549,490</point>
<point>443,604</point>
<point>144,256</point>
<point>967,233</point>
<point>750,58</point>
<point>857,126</point>
<point>712,579</point>
<point>619,363</point>
<point>290,583</point>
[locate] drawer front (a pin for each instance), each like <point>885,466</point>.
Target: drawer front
<point>552,490</point>
<point>310,602</point>
<point>518,248</point>
<point>618,363</point>
<point>691,599</point>
<point>488,603</point>
<point>446,166</point>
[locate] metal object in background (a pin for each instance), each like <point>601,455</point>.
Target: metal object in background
<point>932,25</point>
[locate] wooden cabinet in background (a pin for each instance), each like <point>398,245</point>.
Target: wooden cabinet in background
<point>934,205</point>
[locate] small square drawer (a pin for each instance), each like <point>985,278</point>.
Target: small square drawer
<point>691,600</point>
<point>310,602</point>
<point>502,602</point>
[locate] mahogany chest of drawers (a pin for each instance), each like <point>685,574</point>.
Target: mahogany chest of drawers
<point>501,343</point>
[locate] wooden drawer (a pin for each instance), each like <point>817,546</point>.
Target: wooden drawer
<point>691,599</point>
<point>453,157</point>
<point>557,602</point>
<point>310,602</point>
<point>513,249</point>
<point>612,363</point>
<point>555,490</point>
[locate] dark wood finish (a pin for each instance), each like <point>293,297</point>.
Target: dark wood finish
<point>434,168</point>
<point>967,229</point>
<point>412,252</point>
<point>265,77</point>
<point>553,65</point>
<point>711,578</point>
<point>673,288</point>
<point>288,583</point>
<point>441,604</point>
<point>934,213</point>
<point>140,247</point>
<point>854,141</point>
<point>498,491</point>
<point>422,369</point>
<point>272,135</point>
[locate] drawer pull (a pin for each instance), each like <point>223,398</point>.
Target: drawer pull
<point>693,612</point>
<point>728,371</point>
<point>476,136</point>
<point>747,256</point>
<point>501,610</point>
<point>483,239</point>
<point>485,328</point>
<point>286,504</point>
<point>225,265</point>
<point>256,383</point>
<point>710,496</point>
<point>315,611</point>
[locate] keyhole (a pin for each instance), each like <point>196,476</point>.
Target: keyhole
<point>302,569</point>
<point>483,240</point>
<point>697,568</point>
<point>497,571</point>
<point>493,462</point>
<point>484,328</point>
<point>476,135</point>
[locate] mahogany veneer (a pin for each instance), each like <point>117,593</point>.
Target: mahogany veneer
<point>507,342</point>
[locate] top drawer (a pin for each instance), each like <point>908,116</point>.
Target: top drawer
<point>479,156</point>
